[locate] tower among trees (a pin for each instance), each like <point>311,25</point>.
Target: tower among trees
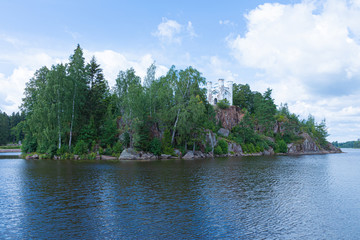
<point>220,91</point>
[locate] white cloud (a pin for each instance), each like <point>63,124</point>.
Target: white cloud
<point>310,55</point>
<point>170,31</point>
<point>27,62</point>
<point>227,22</point>
<point>112,62</point>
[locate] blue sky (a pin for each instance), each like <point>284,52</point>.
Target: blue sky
<point>307,51</point>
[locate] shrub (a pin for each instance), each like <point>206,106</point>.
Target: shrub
<point>244,148</point>
<point>91,156</point>
<point>281,147</point>
<point>224,146</point>
<point>208,149</point>
<point>101,151</point>
<point>223,104</point>
<point>108,150</point>
<point>218,150</point>
<point>81,148</point>
<point>62,150</point>
<point>117,148</point>
<point>52,150</point>
<point>155,146</point>
<point>251,148</point>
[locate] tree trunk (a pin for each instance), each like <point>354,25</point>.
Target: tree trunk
<point>72,118</point>
<point>173,135</point>
<point>58,118</point>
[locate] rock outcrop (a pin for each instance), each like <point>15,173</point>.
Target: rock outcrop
<point>129,154</point>
<point>235,148</point>
<point>309,146</point>
<point>229,117</point>
<point>224,132</point>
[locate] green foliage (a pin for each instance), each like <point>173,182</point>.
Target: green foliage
<point>108,150</point>
<point>281,147</point>
<point>155,146</point>
<point>166,143</point>
<point>29,144</point>
<point>208,149</point>
<point>91,156</point>
<point>223,104</point>
<point>224,146</point>
<point>142,137</point>
<point>349,144</point>
<point>117,148</point>
<point>81,148</point>
<point>218,150</point>
<point>101,151</point>
<point>71,103</point>
<point>61,151</point>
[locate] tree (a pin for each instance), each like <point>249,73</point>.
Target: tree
<point>97,97</point>
<point>130,100</point>
<point>77,76</point>
<point>186,84</point>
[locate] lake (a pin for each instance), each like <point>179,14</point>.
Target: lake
<point>283,197</point>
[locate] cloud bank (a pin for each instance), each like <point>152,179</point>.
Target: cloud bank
<point>309,53</point>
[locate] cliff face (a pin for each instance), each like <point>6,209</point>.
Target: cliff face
<point>230,117</point>
<point>309,146</point>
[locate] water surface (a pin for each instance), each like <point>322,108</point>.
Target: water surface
<point>285,197</point>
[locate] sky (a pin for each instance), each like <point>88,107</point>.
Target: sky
<point>307,52</point>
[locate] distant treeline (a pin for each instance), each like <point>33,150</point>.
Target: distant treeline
<point>349,144</point>
<point>9,133</point>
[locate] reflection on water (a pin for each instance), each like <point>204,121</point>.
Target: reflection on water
<point>304,197</point>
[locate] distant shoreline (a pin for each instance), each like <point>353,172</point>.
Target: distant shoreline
<point>9,150</point>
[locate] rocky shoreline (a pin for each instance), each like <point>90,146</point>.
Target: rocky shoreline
<point>132,155</point>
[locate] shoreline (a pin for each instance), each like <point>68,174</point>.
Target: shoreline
<point>9,150</point>
<point>166,157</point>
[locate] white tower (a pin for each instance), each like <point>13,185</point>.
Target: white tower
<point>219,91</point>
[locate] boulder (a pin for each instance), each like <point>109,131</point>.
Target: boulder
<point>189,155</point>
<point>199,154</point>
<point>233,147</point>
<point>269,152</point>
<point>224,132</point>
<point>147,156</point>
<point>165,156</point>
<point>129,154</point>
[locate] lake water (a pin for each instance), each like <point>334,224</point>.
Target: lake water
<point>284,197</point>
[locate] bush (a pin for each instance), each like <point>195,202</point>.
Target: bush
<point>155,146</point>
<point>91,156</point>
<point>218,150</point>
<point>117,148</point>
<point>101,151</point>
<point>63,149</point>
<point>251,148</point>
<point>281,147</point>
<point>208,149</point>
<point>81,148</point>
<point>52,150</point>
<point>108,151</point>
<point>223,104</point>
<point>224,146</point>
